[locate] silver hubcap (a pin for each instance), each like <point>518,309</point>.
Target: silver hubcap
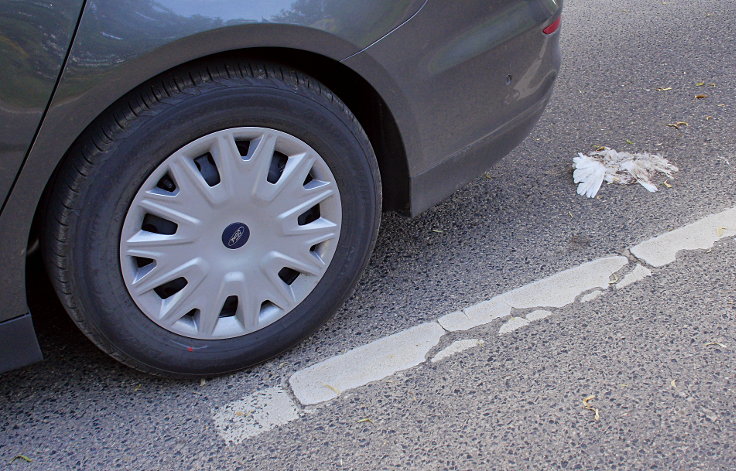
<point>230,233</point>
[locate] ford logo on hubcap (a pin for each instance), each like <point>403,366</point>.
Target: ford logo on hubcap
<point>235,235</point>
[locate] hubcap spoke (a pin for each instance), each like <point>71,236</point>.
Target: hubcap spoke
<point>297,169</point>
<point>260,160</point>
<point>291,183</point>
<point>306,199</point>
<point>213,300</point>
<point>301,261</point>
<point>317,231</point>
<point>199,196</point>
<point>166,271</point>
<point>181,303</point>
<point>228,161</point>
<point>277,292</point>
<point>249,308</point>
<point>167,212</point>
<point>218,244</point>
<point>150,241</point>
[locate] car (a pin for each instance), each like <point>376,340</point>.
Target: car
<point>205,180</point>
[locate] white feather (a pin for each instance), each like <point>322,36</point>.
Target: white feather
<point>618,167</point>
<point>588,174</point>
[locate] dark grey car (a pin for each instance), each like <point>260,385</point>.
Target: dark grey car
<point>205,179</point>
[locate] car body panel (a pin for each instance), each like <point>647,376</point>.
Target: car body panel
<point>474,73</point>
<point>18,343</point>
<point>34,39</point>
<point>463,83</point>
<point>120,44</point>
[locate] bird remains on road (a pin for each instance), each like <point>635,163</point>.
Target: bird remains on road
<point>618,167</point>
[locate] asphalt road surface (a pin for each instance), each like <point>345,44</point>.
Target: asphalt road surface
<point>658,355</point>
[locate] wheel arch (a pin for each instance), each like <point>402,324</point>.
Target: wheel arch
<point>359,95</point>
<point>368,106</point>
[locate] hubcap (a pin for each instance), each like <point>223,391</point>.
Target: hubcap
<point>230,233</point>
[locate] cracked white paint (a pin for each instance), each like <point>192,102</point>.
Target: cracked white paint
<point>562,288</point>
<point>456,347</point>
<point>254,414</point>
<point>591,296</point>
<point>513,324</point>
<point>538,315</point>
<point>271,407</point>
<point>637,274</point>
<point>702,234</point>
<point>372,362</point>
<point>475,315</point>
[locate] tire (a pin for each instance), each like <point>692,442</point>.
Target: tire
<point>162,164</point>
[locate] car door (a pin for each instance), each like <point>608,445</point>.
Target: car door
<point>35,36</point>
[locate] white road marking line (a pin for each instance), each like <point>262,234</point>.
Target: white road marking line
<point>254,414</point>
<point>637,274</point>
<point>702,234</point>
<point>538,315</point>
<point>513,324</point>
<point>266,409</point>
<point>562,288</point>
<point>557,290</point>
<point>456,347</point>
<point>475,315</point>
<point>365,364</point>
<point>591,296</point>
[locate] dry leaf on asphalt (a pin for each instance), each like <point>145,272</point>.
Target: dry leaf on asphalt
<point>678,124</point>
<point>701,96</point>
<point>586,405</point>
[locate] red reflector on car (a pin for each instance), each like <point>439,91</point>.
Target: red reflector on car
<point>553,27</point>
